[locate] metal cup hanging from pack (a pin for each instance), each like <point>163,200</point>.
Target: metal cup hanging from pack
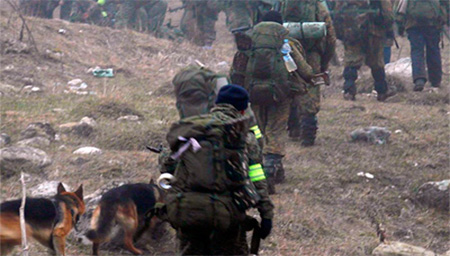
<point>306,30</point>
<point>164,181</point>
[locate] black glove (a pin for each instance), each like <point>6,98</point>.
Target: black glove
<point>266,227</point>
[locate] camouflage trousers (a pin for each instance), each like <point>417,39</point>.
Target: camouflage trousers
<point>199,21</point>
<point>155,12</point>
<point>203,242</point>
<point>308,104</point>
<point>272,121</point>
<point>239,14</point>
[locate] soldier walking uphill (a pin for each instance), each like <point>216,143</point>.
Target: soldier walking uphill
<point>128,11</point>
<point>212,188</point>
<point>424,20</point>
<point>362,25</point>
<point>259,66</point>
<point>319,52</point>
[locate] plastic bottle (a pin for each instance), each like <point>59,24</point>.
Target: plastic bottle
<point>288,60</point>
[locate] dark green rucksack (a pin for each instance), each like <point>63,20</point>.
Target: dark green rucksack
<point>210,149</point>
<point>425,12</point>
<point>194,90</point>
<point>258,65</point>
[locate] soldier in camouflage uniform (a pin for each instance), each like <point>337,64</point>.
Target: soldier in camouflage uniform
<point>272,118</point>
<point>424,20</point>
<point>230,101</point>
<point>362,26</point>
<point>154,9</point>
<point>319,52</point>
<point>39,8</point>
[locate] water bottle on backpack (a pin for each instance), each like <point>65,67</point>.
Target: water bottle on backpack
<point>288,60</point>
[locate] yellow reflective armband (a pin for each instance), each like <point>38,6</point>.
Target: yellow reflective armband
<point>255,129</point>
<point>256,173</point>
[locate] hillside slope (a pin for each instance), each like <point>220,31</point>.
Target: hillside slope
<point>324,208</point>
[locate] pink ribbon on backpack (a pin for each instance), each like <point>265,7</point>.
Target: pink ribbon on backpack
<point>189,142</point>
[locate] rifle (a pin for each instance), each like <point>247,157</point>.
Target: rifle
<point>251,223</point>
<point>156,150</point>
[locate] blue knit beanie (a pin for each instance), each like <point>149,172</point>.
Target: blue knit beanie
<point>234,95</point>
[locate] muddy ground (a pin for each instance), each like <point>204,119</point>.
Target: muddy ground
<point>324,207</point>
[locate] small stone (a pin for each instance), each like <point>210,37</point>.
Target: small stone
<point>4,140</point>
<point>400,249</point>
<point>435,194</point>
<point>88,151</point>
<point>74,82</point>
<point>37,142</point>
<point>132,118</point>
<point>88,120</point>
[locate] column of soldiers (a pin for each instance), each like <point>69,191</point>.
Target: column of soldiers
<point>362,25</point>
<point>142,15</point>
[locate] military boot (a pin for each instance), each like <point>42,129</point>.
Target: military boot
<point>309,130</point>
<point>350,75</point>
<point>380,84</point>
<point>419,84</point>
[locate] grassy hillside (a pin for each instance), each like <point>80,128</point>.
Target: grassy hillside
<point>324,208</point>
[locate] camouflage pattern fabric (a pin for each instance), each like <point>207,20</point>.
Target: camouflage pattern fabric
<point>408,22</point>
<point>233,241</point>
<point>188,23</point>
<point>66,9</point>
<point>239,14</point>
<point>155,10</point>
<point>272,121</point>
<point>206,14</point>
<point>310,102</point>
<point>369,53</point>
<point>318,55</point>
<point>39,8</point>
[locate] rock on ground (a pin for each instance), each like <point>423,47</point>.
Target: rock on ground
<point>4,139</point>
<point>47,189</point>
<point>37,142</point>
<point>16,159</point>
<point>400,69</point>
<point>38,129</point>
<point>435,194</point>
<point>401,249</point>
<point>88,151</point>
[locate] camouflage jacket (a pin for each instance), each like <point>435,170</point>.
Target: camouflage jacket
<point>380,20</point>
<point>402,19</point>
<point>326,46</point>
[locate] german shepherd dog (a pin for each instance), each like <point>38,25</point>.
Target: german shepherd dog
<point>48,221</point>
<point>128,206</point>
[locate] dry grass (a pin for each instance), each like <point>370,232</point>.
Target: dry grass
<point>324,208</point>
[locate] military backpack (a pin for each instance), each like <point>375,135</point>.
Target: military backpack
<point>258,65</point>
<point>352,20</point>
<point>425,12</point>
<point>210,150</point>
<point>195,90</point>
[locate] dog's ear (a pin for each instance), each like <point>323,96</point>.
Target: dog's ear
<point>61,188</point>
<point>152,182</point>
<point>79,192</point>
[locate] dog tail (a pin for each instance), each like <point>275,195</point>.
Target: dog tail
<point>102,222</point>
